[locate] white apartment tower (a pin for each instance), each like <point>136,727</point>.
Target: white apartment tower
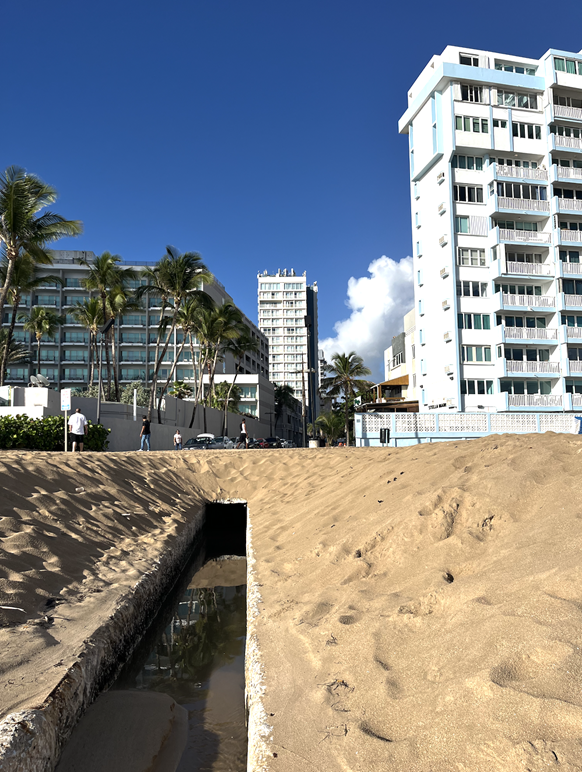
<point>288,318</point>
<point>495,146</point>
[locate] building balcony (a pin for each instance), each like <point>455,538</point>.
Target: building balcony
<point>575,399</point>
<point>571,113</point>
<point>566,174</point>
<point>547,302</point>
<point>575,366</point>
<point>571,301</point>
<point>573,334</point>
<point>569,269</point>
<point>519,173</point>
<point>505,267</point>
<point>569,237</point>
<point>520,205</point>
<point>531,334</point>
<point>568,144</point>
<point>531,368</point>
<point>524,237</point>
<point>568,204</point>
<point>74,362</point>
<point>527,401</point>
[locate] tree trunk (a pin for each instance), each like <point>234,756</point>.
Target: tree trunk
<point>195,384</point>
<point>172,370</point>
<point>91,360</point>
<point>9,336</point>
<point>38,339</point>
<point>11,255</point>
<point>114,363</point>
<point>225,422</point>
<point>106,342</point>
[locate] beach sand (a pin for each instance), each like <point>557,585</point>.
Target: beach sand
<point>421,607</point>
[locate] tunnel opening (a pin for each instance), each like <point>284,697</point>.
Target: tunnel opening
<point>179,697</point>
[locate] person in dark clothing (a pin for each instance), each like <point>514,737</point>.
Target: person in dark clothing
<point>244,437</point>
<point>145,433</point>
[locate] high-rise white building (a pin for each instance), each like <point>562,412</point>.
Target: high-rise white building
<point>495,145</point>
<point>288,318</point>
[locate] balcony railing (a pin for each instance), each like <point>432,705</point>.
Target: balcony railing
<point>530,333</point>
<point>535,237</point>
<point>518,172</point>
<point>562,111</point>
<point>575,366</point>
<point>524,204</point>
<point>576,400</point>
<point>534,400</point>
<point>574,332</point>
<point>571,267</point>
<point>570,235</point>
<point>572,142</point>
<point>546,301</point>
<point>532,367</point>
<point>569,205</point>
<point>533,269</point>
<point>572,300</point>
<point>568,172</point>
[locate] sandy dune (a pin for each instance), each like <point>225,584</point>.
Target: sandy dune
<point>422,607</point>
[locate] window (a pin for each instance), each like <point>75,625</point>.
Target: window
<point>421,338</point>
<point>522,69</point>
<point>518,190</point>
<point>418,249</point>
<point>526,130</point>
<point>511,225</point>
<point>529,387</point>
<point>398,359</point>
<point>413,351</point>
<point>472,289</point>
<point>474,321</point>
<point>571,286</point>
<point>416,193</point>
<point>571,66</point>
<point>511,99</point>
<point>471,93</point>
<point>570,225</point>
<point>419,278</point>
<point>472,194</point>
<point>519,289</point>
<point>420,308</point>
<point>468,123</point>
<point>515,162</point>
<point>499,124</point>
<point>476,387</point>
<point>527,354</point>
<point>571,320</point>
<point>467,162</point>
<point>461,225</point>
<point>474,257</point>
<point>567,101</point>
<point>423,366</point>
<point>476,354</point>
<point>520,321</point>
<point>524,257</point>
<point>470,59</point>
<point>568,193</point>
<point>417,219</point>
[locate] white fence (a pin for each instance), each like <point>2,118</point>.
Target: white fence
<point>413,428</point>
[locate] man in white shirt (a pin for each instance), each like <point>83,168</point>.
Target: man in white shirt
<point>78,427</point>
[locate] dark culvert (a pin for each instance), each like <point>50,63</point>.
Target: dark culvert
<point>178,702</point>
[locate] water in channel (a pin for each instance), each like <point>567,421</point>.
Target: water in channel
<point>193,654</point>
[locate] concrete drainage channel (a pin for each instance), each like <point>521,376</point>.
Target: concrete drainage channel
<point>33,740</point>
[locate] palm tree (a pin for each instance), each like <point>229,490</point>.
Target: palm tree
<point>239,348</point>
<point>22,229</point>
<point>120,301</point>
<point>284,397</point>
<point>347,371</point>
<point>43,323</point>
<point>331,424</point>
<point>13,353</point>
<point>89,313</point>
<point>174,278</point>
<point>106,272</point>
<point>24,279</point>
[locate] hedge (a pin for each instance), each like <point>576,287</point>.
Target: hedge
<point>20,431</point>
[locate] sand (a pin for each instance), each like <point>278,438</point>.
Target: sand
<point>421,607</point>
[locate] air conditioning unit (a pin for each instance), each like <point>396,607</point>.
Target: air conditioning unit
<point>442,208</point>
<point>447,336</point>
<point>440,177</point>
<point>443,240</point>
<point>449,369</point>
<point>446,304</point>
<point>444,272</point>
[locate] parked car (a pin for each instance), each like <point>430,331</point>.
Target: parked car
<point>208,442</point>
<point>273,442</point>
<point>258,443</point>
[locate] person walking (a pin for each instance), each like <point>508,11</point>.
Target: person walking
<point>145,433</point>
<point>244,437</point>
<point>78,427</point>
<point>177,440</point>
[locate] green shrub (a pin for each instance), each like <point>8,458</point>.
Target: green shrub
<point>48,433</point>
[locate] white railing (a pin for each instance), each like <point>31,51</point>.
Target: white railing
<point>573,142</point>
<point>518,172</point>
<point>572,300</point>
<point>570,235</point>
<point>529,236</point>
<point>575,366</point>
<point>574,332</point>
<point>576,400</point>
<point>532,367</point>
<point>568,172</point>
<point>444,272</point>
<point>571,267</point>
<point>443,240</point>
<point>570,205</point>
<point>528,204</point>
<point>562,111</point>
<point>531,333</point>
<point>538,269</point>
<point>529,300</point>
<point>534,400</point>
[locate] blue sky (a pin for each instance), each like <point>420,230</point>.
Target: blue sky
<point>261,134</point>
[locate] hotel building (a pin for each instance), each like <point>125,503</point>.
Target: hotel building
<point>495,148</point>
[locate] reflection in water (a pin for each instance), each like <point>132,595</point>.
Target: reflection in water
<point>198,659</point>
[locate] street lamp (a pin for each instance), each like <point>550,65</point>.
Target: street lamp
<point>103,332</point>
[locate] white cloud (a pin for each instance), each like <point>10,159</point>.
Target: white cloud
<point>377,302</point>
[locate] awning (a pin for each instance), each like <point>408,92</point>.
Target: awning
<point>401,381</point>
